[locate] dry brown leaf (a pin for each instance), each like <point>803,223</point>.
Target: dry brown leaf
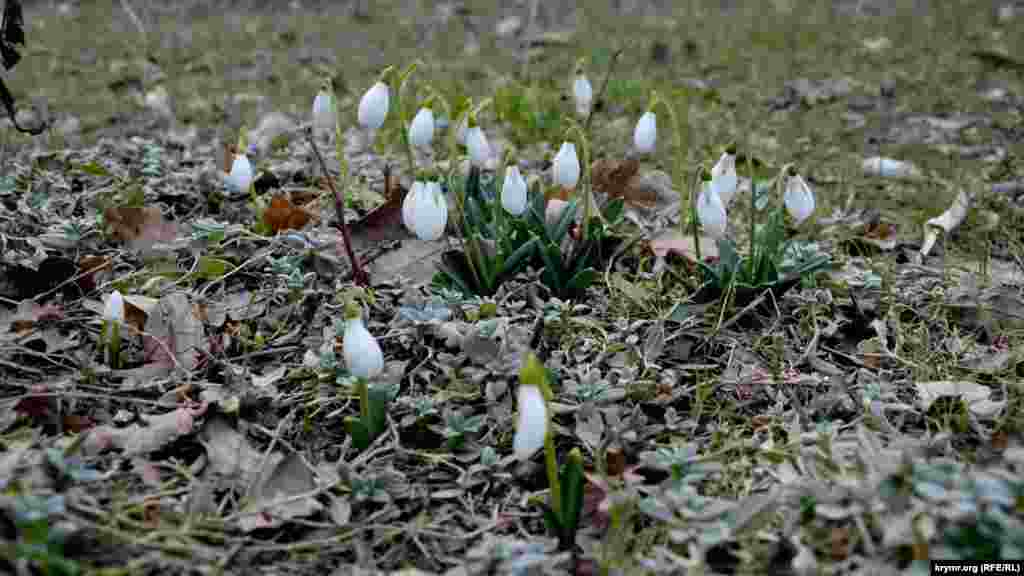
<point>139,228</point>
<point>283,215</point>
<point>614,178</point>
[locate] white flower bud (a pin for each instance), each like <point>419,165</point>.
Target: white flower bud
<point>240,177</point>
<point>513,191</point>
<point>421,129</point>
<point>114,310</point>
<point>532,424</point>
<point>363,355</point>
<point>373,106</point>
<point>479,149</point>
<point>566,166</point>
<point>324,120</point>
<point>409,205</point>
<point>430,212</point>
<point>583,94</point>
<point>711,212</point>
<point>645,135</point>
<point>724,179</point>
<point>798,198</point>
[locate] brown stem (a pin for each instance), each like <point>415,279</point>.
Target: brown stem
<point>604,86</point>
<point>358,274</point>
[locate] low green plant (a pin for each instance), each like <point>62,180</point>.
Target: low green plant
<point>494,248</point>
<point>497,247</point>
<point>771,263</point>
<point>457,427</point>
<point>39,541</point>
<point>373,411</point>
<point>533,430</point>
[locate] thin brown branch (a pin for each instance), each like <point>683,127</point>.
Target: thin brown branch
<point>358,274</point>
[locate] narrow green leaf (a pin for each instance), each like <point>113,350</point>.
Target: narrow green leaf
<point>94,169</point>
<point>572,496</point>
<point>357,430</point>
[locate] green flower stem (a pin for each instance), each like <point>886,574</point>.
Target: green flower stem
<point>694,193</point>
<point>363,389</point>
<point>403,79</point>
<point>115,343</point>
<point>533,373</point>
<point>339,148</point>
<point>581,137</point>
<point>554,484</point>
<point>753,207</point>
<point>680,163</point>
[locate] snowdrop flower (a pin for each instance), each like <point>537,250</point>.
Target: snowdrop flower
<point>373,106</point>
<point>460,132</point>
<point>430,212</point>
<point>113,316</point>
<point>240,177</point>
<point>114,310</point>
<point>710,211</point>
<point>532,424</point>
<point>566,166</point>
<point>421,129</point>
<point>408,205</point>
<point>324,120</point>
<point>476,142</point>
<point>645,135</point>
<point>363,355</point>
<point>798,198</point>
<point>723,176</point>
<point>513,191</point>
<point>582,92</point>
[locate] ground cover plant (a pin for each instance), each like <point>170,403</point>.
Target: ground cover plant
<point>511,288</point>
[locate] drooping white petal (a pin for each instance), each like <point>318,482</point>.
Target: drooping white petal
<point>645,135</point>
<point>323,113</point>
<point>724,179</point>
<point>408,205</point>
<point>566,166</point>
<point>479,149</point>
<point>583,94</point>
<point>363,355</point>
<point>513,191</point>
<point>240,176</point>
<point>114,310</point>
<point>460,131</point>
<point>532,423</point>
<point>431,212</point>
<point>711,212</point>
<point>799,198</point>
<point>373,106</point>
<point>421,129</point>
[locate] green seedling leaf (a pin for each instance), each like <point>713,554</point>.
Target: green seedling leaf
<point>94,169</point>
<point>211,268</point>
<point>357,430</point>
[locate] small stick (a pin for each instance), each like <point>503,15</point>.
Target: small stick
<point>358,274</point>
<point>604,86</point>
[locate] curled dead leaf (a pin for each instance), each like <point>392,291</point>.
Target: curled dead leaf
<point>283,215</point>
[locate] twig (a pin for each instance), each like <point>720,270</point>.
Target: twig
<point>134,17</point>
<point>358,274</point>
<point>604,86</point>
